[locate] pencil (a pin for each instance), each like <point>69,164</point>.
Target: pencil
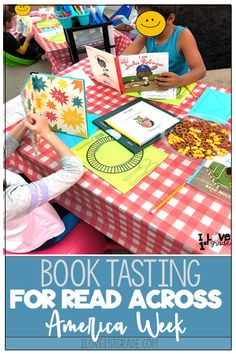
<point>160,205</point>
<point>190,91</point>
<point>168,198</point>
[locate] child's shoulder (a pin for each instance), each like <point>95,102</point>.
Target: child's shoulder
<point>186,37</point>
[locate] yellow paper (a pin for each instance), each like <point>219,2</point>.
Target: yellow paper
<point>114,163</point>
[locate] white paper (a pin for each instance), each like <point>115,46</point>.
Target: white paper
<point>141,122</point>
<point>80,74</point>
<point>14,111</point>
<point>169,94</point>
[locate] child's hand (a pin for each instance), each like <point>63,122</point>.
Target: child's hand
<point>38,125</point>
<point>19,36</point>
<point>167,80</point>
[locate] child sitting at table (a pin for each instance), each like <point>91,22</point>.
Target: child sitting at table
<point>185,62</point>
<point>30,219</point>
<point>26,47</point>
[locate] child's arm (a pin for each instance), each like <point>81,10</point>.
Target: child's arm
<point>30,196</point>
<point>23,48</point>
<point>136,46</point>
<point>188,48</point>
<point>14,137</point>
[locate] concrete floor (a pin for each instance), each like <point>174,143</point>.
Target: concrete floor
<point>15,77</point>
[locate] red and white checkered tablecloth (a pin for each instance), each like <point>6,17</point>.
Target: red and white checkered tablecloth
<point>58,53</point>
<point>126,218</point>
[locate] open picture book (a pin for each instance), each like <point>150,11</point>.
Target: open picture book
<point>139,121</point>
<point>59,98</point>
<point>127,73</point>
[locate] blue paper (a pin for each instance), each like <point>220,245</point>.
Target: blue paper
<point>99,10</point>
<point>213,105</point>
<point>71,140</point>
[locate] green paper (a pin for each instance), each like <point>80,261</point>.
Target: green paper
<point>114,163</point>
<point>182,93</point>
<point>48,23</point>
<point>58,38</point>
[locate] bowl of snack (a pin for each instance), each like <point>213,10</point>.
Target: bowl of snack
<point>196,138</point>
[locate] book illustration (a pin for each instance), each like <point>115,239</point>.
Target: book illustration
<point>139,71</point>
<point>146,122</point>
<point>214,179</point>
<point>72,140</point>
<point>60,99</point>
<point>104,67</point>
<point>171,96</point>
<point>141,121</point>
<point>220,174</point>
<point>121,168</point>
<point>24,25</point>
<point>127,73</point>
<point>212,105</point>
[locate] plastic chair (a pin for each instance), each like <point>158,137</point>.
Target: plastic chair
<point>124,10</point>
<point>82,239</point>
<point>11,60</point>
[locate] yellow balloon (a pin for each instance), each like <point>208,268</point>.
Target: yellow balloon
<point>150,23</point>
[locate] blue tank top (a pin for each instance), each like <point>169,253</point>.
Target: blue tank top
<point>177,63</point>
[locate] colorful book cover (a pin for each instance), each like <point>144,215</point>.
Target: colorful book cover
<point>214,179</point>
<point>141,122</point>
<point>24,25</point>
<point>140,70</point>
<point>105,68</point>
<point>127,73</point>
<point>60,99</point>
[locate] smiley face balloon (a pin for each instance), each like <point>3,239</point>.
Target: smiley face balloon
<point>150,23</point>
<point>22,10</point>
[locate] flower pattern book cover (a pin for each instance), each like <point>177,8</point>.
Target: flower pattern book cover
<point>60,99</point>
